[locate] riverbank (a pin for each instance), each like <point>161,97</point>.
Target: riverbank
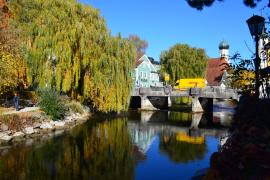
<point>30,124</point>
<point>246,153</point>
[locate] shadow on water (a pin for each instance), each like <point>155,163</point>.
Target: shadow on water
<point>129,147</point>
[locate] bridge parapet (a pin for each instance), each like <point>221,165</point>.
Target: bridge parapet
<point>206,95</point>
<point>157,91</point>
<point>207,92</point>
<point>219,93</point>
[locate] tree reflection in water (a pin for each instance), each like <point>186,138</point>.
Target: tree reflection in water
<point>182,148</point>
<point>92,151</point>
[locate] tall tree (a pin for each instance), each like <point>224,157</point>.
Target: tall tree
<point>12,64</point>
<point>140,45</point>
<point>69,47</point>
<point>183,61</point>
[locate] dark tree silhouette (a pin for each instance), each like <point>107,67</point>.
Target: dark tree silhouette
<point>200,4</point>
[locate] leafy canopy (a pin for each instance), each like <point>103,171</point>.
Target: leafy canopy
<point>183,61</point>
<point>68,46</point>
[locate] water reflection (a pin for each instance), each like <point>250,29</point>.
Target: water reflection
<point>216,119</point>
<point>178,132</point>
<point>180,147</point>
<point>99,151</point>
<point>132,147</point>
<point>142,136</point>
<point>174,145</point>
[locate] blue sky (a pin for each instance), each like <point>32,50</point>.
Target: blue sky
<point>164,23</point>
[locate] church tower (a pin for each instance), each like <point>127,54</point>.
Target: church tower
<point>224,50</point>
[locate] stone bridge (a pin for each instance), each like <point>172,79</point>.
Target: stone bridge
<point>202,98</point>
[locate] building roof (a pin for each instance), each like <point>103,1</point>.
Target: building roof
<point>146,59</point>
<point>215,70</point>
<point>138,62</point>
<point>152,60</point>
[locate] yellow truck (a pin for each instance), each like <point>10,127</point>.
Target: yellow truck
<point>184,84</point>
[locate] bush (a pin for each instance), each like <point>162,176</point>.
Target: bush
<point>75,107</point>
<point>51,104</point>
<point>17,121</point>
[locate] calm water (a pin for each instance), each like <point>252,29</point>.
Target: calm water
<point>143,145</point>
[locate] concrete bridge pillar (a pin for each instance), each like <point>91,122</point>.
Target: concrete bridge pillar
<point>146,104</point>
<point>196,105</point>
<point>169,101</point>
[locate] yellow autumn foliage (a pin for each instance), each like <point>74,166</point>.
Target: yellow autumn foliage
<point>244,80</point>
<point>69,47</point>
<point>8,73</point>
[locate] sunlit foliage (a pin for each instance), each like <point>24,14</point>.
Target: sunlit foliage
<point>183,61</point>
<point>244,80</point>
<point>12,70</point>
<point>69,47</point>
<point>12,64</point>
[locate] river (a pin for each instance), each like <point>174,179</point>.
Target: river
<point>137,145</point>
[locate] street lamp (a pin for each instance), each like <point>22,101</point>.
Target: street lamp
<point>256,28</point>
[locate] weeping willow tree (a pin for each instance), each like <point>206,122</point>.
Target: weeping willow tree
<point>69,47</point>
<point>183,61</point>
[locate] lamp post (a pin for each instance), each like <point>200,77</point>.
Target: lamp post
<point>256,27</point>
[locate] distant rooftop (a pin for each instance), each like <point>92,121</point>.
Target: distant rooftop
<point>153,61</point>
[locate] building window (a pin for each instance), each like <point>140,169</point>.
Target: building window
<point>141,75</point>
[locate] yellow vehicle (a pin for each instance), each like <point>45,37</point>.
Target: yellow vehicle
<point>184,84</point>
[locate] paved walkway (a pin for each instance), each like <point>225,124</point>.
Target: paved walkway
<point>27,109</point>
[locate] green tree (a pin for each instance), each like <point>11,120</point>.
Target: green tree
<point>183,61</point>
<point>69,46</point>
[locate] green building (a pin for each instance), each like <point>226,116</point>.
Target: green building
<point>146,73</point>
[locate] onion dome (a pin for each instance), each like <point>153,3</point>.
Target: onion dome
<point>223,45</point>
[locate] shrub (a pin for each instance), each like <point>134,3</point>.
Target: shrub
<point>75,107</point>
<point>51,104</point>
<point>17,121</point>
